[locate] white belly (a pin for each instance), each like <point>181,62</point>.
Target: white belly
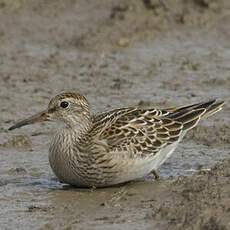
<point>163,155</point>
<point>140,167</point>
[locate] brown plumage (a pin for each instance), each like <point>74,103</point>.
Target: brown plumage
<point>115,146</point>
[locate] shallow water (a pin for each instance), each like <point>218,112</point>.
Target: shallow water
<point>179,67</point>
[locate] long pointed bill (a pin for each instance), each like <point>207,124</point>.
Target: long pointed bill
<point>39,117</point>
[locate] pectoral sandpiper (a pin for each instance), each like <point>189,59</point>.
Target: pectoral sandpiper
<point>116,146</point>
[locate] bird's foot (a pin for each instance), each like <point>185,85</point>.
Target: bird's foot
<point>156,174</point>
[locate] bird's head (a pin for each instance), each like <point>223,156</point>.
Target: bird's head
<point>70,108</point>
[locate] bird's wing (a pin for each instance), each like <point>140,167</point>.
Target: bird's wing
<point>146,131</point>
<point>141,132</point>
<point>104,121</point>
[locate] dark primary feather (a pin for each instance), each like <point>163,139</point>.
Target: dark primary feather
<point>145,131</point>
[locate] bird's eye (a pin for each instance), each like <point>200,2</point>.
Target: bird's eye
<point>64,104</point>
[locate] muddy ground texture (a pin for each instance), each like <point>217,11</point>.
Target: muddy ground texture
<point>117,53</point>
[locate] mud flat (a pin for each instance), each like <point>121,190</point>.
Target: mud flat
<point>119,53</point>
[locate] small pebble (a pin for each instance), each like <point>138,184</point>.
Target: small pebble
<point>124,42</point>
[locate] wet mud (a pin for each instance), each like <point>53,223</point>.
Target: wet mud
<point>116,53</point>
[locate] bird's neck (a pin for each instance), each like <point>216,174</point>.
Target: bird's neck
<point>78,129</point>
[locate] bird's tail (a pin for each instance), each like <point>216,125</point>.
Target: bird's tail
<point>190,115</point>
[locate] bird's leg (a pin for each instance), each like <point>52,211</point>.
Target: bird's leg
<point>93,188</point>
<point>155,174</point>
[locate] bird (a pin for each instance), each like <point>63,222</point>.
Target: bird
<point>117,146</point>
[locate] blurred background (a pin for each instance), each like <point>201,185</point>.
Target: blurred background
<point>150,53</point>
